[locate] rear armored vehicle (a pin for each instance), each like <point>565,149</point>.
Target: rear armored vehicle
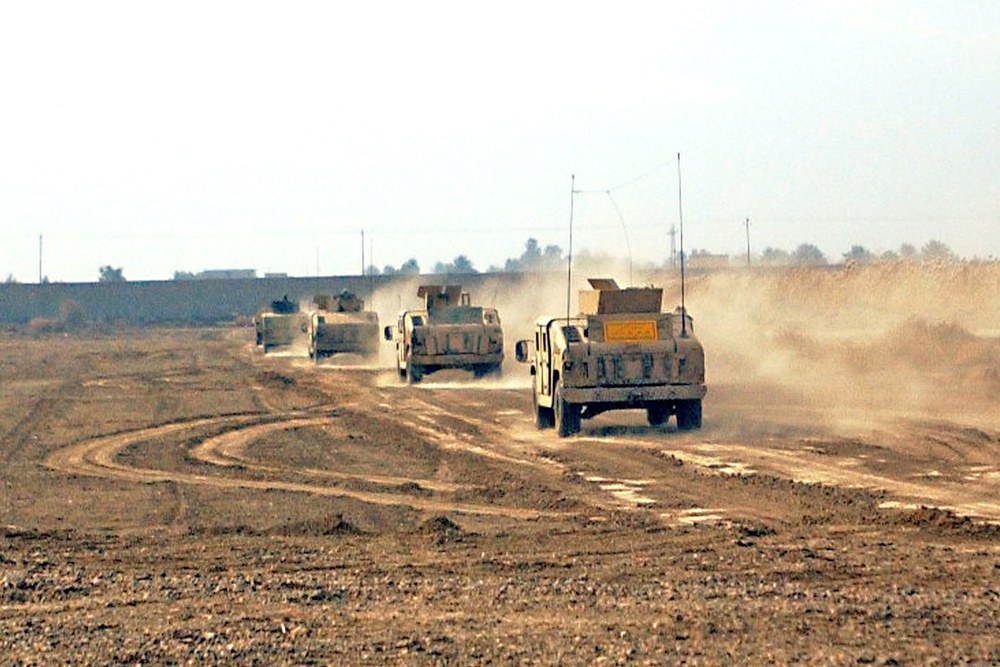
<point>281,325</point>
<point>340,324</point>
<point>620,352</point>
<point>448,333</point>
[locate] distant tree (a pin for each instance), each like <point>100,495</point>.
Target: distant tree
<point>183,275</point>
<point>890,256</point>
<point>410,266</point>
<point>460,264</point>
<point>535,259</point>
<point>774,256</point>
<point>859,254</point>
<point>907,251</point>
<point>372,270</point>
<point>45,280</point>
<point>107,274</point>
<point>809,255</point>
<point>11,280</point>
<point>936,250</point>
<point>389,270</point>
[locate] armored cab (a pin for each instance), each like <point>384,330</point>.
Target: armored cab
<point>279,325</point>
<point>449,332</point>
<point>620,352</point>
<point>340,323</point>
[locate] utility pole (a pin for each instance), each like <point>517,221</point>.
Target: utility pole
<point>362,253</point>
<point>39,259</point>
<point>747,223</point>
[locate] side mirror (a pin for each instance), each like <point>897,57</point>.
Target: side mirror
<point>387,333</point>
<point>522,351</point>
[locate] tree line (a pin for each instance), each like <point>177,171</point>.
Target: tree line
<point>536,258</point>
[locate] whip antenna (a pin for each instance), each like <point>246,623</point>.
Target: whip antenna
<point>628,246</point>
<point>680,214</point>
<point>569,258</point>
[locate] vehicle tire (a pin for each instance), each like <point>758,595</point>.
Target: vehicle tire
<point>413,373</point>
<point>544,417</point>
<point>567,415</point>
<point>688,415</point>
<point>657,414</point>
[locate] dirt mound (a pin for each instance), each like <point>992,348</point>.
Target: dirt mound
<point>438,525</point>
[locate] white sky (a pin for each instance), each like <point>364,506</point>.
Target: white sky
<point>166,136</point>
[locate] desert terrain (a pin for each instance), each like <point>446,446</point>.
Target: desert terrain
<point>174,496</point>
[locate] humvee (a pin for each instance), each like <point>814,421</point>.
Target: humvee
<point>341,324</point>
<point>448,333</point>
<point>620,352</point>
<point>280,325</point>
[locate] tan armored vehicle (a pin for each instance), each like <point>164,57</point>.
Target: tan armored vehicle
<point>280,326</point>
<point>620,352</point>
<point>448,333</point>
<point>341,324</point>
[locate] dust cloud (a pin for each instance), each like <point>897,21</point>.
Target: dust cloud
<point>903,338</point>
<point>909,338</point>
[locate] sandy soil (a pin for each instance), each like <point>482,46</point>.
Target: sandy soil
<point>176,497</point>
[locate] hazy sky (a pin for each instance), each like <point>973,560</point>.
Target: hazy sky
<point>166,136</point>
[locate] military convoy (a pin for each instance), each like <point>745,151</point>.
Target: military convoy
<point>340,324</point>
<point>449,332</point>
<point>620,352</point>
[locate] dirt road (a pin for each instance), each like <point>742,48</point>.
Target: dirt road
<point>176,497</point>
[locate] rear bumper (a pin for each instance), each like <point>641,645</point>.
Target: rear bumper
<point>456,360</point>
<point>633,396</point>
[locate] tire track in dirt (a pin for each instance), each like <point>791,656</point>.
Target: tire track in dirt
<point>507,436</point>
<point>968,490</point>
<point>98,458</point>
<point>227,450</point>
<point>16,439</point>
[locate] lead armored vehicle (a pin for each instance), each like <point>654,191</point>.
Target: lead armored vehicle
<point>620,352</point>
<point>448,333</point>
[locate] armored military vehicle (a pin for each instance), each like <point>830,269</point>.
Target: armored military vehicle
<point>340,324</point>
<point>448,333</point>
<point>620,352</point>
<point>280,325</point>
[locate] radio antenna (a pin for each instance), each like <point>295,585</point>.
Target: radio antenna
<point>680,215</point>
<point>628,246</point>
<point>569,258</point>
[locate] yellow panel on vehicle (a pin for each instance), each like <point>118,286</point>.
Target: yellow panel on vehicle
<point>626,330</point>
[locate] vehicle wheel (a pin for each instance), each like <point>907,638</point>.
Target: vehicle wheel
<point>688,415</point>
<point>413,373</point>
<point>567,415</point>
<point>544,417</point>
<point>657,414</point>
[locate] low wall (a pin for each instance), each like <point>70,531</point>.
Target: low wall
<point>188,301</point>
